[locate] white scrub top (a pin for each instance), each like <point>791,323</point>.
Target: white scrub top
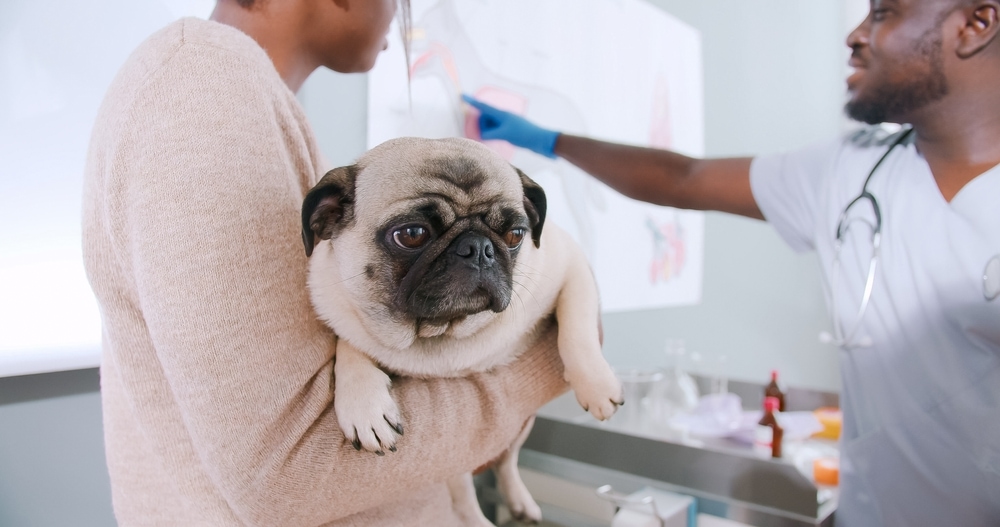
<point>921,437</point>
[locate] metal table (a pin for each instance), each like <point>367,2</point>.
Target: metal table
<point>728,479</point>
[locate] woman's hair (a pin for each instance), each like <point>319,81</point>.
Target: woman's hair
<point>405,31</point>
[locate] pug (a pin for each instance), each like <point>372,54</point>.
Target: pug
<point>428,258</point>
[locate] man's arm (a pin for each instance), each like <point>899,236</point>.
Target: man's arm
<point>652,175</point>
<point>663,177</point>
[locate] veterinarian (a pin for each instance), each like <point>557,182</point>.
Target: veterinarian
<point>907,228</point>
<point>216,375</point>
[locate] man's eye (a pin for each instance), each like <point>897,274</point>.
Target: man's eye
<point>513,237</point>
<point>411,236</point>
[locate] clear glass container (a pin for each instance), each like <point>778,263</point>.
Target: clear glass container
<point>679,390</point>
<point>642,410</point>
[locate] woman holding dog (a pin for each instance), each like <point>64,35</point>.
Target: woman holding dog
<point>920,364</point>
<point>216,375</point>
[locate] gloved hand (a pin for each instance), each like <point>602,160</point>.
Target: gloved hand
<point>516,130</point>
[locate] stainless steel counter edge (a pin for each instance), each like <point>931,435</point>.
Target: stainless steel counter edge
<point>706,504</point>
<point>733,476</point>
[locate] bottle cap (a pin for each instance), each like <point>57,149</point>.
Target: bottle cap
<point>774,375</point>
<point>771,404</point>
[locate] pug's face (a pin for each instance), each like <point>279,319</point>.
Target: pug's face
<point>426,232</point>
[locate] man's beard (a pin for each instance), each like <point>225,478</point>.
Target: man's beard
<point>893,100</point>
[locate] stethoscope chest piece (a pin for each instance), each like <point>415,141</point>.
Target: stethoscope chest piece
<point>991,278</point>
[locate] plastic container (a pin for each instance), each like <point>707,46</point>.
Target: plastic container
<point>826,471</point>
<point>831,419</point>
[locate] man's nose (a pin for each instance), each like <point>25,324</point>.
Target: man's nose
<point>859,36</point>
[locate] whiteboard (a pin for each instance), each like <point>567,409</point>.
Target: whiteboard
<point>621,70</point>
<point>57,58</point>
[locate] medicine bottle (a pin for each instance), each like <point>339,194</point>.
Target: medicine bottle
<point>768,435</point>
<point>773,390</point>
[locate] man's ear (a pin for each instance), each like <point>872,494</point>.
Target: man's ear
<point>981,27</point>
<point>534,205</point>
<point>328,206</point>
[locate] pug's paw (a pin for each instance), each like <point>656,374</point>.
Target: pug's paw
<point>366,411</point>
<point>598,391</point>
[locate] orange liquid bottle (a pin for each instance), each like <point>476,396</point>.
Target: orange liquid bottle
<point>767,439</point>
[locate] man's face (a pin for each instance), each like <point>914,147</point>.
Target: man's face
<point>898,60</point>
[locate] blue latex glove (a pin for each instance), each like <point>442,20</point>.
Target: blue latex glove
<point>516,130</point>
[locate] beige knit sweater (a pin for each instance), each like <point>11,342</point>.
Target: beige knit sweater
<point>216,376</point>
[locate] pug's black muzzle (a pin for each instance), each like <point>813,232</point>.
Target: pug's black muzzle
<point>470,276</point>
<point>475,251</point>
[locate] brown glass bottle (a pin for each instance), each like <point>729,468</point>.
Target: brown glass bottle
<point>772,390</point>
<point>769,432</point>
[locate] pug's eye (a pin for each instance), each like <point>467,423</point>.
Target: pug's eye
<point>411,236</point>
<point>513,237</point>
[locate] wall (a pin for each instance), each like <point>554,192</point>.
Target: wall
<point>56,59</point>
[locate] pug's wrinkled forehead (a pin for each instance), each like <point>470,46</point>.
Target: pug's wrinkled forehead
<point>465,175</point>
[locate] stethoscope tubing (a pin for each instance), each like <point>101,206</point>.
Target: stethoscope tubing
<point>842,338</point>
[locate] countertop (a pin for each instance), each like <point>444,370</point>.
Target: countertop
<point>727,477</point>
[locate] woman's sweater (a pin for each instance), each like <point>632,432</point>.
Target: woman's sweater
<point>216,376</point>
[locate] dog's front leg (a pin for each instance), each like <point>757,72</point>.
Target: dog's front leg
<point>596,387</point>
<point>366,411</point>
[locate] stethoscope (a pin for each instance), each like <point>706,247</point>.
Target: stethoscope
<point>842,336</point>
<point>845,338</point>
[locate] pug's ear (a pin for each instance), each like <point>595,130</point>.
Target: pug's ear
<point>328,206</point>
<point>534,205</point>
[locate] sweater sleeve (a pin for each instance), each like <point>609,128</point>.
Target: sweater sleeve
<point>203,205</point>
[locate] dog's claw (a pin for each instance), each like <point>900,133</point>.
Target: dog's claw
<point>392,448</point>
<point>379,453</point>
<point>366,411</point>
<point>598,391</point>
<point>395,426</point>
